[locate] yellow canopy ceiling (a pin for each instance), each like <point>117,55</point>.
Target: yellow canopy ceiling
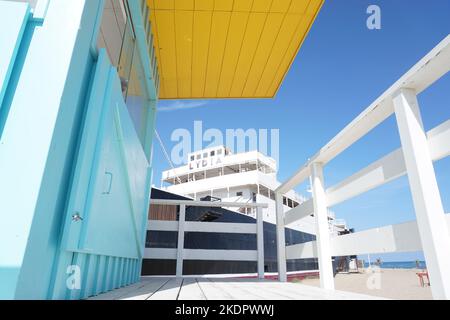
<point>227,48</point>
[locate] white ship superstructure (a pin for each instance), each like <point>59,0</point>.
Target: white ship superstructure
<point>245,177</point>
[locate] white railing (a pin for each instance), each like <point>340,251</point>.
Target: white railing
<point>419,149</point>
<point>181,226</point>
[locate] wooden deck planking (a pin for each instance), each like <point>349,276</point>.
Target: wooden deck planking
<point>119,293</point>
<point>212,291</point>
<point>169,291</point>
<point>147,290</point>
<point>163,288</point>
<point>248,290</point>
<point>190,290</point>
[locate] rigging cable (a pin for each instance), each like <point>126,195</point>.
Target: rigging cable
<point>166,154</point>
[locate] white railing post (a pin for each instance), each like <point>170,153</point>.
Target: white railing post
<point>322,231</point>
<point>281,241</point>
<point>181,223</point>
<point>260,241</point>
<point>431,222</point>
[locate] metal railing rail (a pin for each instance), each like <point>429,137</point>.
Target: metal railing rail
<point>415,159</point>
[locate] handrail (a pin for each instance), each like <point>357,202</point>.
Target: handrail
<point>402,237</point>
<point>415,158</point>
<point>427,71</point>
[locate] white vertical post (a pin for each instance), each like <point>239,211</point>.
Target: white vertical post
<point>181,221</point>
<point>260,241</point>
<point>322,231</point>
<point>431,222</point>
<point>281,241</point>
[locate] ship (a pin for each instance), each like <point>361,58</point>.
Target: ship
<point>218,174</point>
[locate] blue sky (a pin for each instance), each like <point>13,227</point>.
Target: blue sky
<point>341,68</point>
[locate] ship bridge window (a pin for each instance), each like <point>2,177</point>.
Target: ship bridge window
<point>219,152</point>
<point>239,194</point>
<point>199,156</point>
<point>205,155</point>
<point>192,158</point>
<point>271,195</point>
<point>213,153</point>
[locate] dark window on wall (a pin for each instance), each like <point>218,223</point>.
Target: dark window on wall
<point>223,241</point>
<point>285,201</point>
<point>213,153</point>
<point>219,241</point>
<point>239,194</point>
<point>162,239</point>
<point>272,195</point>
<point>192,158</point>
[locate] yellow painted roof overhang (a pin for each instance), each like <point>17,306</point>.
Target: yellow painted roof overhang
<point>227,48</point>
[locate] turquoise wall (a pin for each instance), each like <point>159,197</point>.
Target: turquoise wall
<point>67,146</point>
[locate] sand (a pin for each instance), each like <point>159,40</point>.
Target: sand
<point>400,284</point>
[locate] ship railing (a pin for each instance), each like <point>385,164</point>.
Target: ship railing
<point>415,159</point>
<point>181,226</point>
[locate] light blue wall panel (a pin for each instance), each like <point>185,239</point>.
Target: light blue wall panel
<point>13,20</point>
<point>110,182</point>
<point>62,102</point>
<point>99,278</point>
<point>37,141</point>
<point>86,159</point>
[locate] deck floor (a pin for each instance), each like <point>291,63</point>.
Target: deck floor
<point>161,288</point>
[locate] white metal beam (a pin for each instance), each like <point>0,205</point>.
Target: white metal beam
<point>180,251</point>
<point>281,238</point>
<point>388,168</point>
<point>427,71</point>
<point>322,231</point>
<point>402,237</point>
<point>439,141</point>
<point>425,192</point>
<point>299,212</point>
<point>260,242</point>
<point>305,250</point>
<point>378,173</point>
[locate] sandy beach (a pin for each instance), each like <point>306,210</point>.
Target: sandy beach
<point>400,284</point>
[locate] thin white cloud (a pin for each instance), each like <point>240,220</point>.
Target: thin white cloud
<point>182,105</point>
